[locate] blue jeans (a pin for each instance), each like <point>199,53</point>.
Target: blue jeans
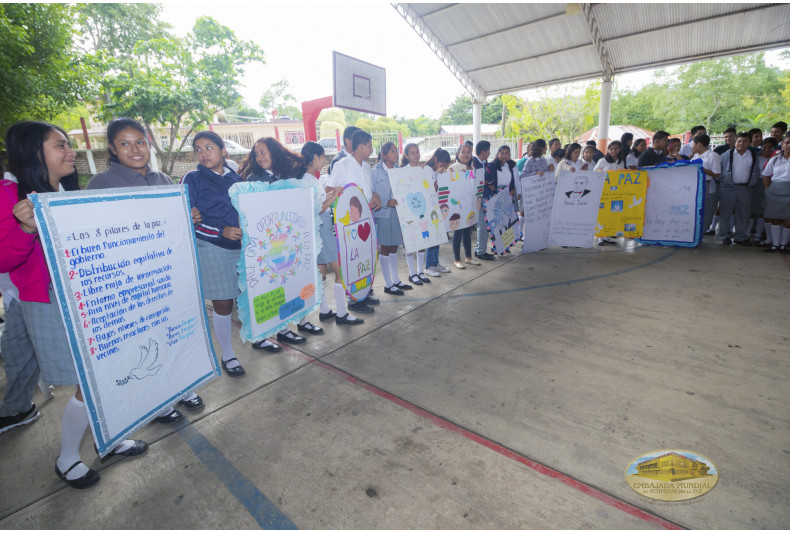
<point>432,256</point>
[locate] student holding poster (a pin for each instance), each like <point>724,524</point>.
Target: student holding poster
<point>463,162</point>
<point>129,155</point>
<point>611,161</point>
<point>387,224</point>
<point>41,158</point>
<point>411,158</point>
<point>218,237</point>
<point>439,164</point>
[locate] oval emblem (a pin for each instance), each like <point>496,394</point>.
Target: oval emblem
<point>671,475</point>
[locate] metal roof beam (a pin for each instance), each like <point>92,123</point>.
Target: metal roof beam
<point>527,58</point>
<point>511,28</point>
<point>440,10</point>
<point>691,22</point>
<point>433,42</point>
<point>595,34</point>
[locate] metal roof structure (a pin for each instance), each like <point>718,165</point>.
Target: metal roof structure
<point>499,48</point>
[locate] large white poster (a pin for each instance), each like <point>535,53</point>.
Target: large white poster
<point>278,273</point>
<point>537,193</point>
<point>124,269</point>
<point>357,246</point>
<point>418,207</point>
<point>673,206</point>
<point>577,199</point>
<point>460,197</point>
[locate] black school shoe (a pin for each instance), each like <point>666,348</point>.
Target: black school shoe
<point>171,418</point>
<point>271,347</point>
<point>343,320</point>
<point>484,256</point>
<point>194,404</point>
<point>360,307</point>
<point>19,419</point>
<point>394,290</point>
<point>290,337</point>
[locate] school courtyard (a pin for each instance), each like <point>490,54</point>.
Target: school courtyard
<point>512,395</point>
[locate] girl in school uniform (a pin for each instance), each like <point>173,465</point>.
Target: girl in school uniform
<point>218,237</point>
<point>572,160</point>
<point>439,163</point>
<point>632,159</point>
<point>411,157</point>
<point>314,158</point>
<point>776,178</point>
<point>388,230</point>
<point>129,158</point>
<point>588,155</point>
<point>41,158</point>
<point>270,161</point>
<point>463,162</point>
<point>611,161</point>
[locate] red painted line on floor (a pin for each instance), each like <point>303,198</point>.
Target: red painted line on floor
<point>500,449</point>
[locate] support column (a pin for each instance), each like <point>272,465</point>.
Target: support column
<point>477,113</point>
<point>605,111</point>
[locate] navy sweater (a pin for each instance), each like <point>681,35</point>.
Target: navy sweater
<point>208,192</point>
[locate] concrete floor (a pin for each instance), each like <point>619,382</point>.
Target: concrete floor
<point>510,395</point>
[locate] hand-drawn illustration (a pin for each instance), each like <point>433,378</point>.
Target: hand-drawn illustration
<point>573,219</point>
<point>459,192</point>
<point>356,241</point>
<point>146,367</point>
<point>501,221</point>
<point>280,252</point>
<point>418,207</point>
<point>623,197</point>
<point>580,189</point>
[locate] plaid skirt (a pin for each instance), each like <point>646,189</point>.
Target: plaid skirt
<point>328,252</point>
<point>218,271</point>
<point>388,230</point>
<point>46,330</point>
<point>777,200</point>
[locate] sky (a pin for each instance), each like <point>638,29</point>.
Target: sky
<point>298,40</point>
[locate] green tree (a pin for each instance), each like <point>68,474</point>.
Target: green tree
<point>116,28</point>
<point>565,117</point>
<point>178,83</point>
<point>460,111</point>
<point>278,98</point>
<point>41,73</point>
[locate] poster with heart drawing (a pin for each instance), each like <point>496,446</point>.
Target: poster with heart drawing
<point>356,242</point>
<point>418,207</point>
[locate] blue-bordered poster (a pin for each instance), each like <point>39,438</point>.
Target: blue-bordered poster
<point>278,272</point>
<point>124,268</point>
<point>673,205</point>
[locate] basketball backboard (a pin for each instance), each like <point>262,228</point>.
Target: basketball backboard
<point>358,85</point>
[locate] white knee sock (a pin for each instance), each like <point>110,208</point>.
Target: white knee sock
<point>385,270</point>
<point>410,263</point>
<point>324,307</point>
<point>760,227</point>
<point>420,262</point>
<point>785,236</point>
<point>769,234</point>
<point>72,428</point>
<point>713,224</point>
<point>776,233</point>
<point>393,265</point>
<point>340,300</point>
<point>222,329</point>
<point>731,227</point>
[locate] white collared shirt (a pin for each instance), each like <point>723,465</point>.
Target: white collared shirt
<point>348,170</point>
<point>710,161</point>
<point>778,168</point>
<point>741,166</point>
<point>686,150</point>
<point>605,166</point>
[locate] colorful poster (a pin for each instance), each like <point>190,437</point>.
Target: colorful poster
<point>278,272</point>
<point>124,270</point>
<point>356,242</point>
<point>577,200</point>
<point>460,197</point>
<point>537,193</point>
<point>622,209</point>
<point>674,205</point>
<point>418,207</point>
<point>501,221</point>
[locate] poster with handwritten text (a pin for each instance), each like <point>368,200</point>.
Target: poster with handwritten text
<point>418,207</point>
<point>674,205</point>
<point>577,199</point>
<point>357,245</point>
<point>537,193</point>
<point>622,209</point>
<point>124,269</point>
<point>460,197</point>
<point>278,271</point>
<point>501,221</point>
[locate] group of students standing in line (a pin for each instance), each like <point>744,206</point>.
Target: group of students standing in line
<point>40,159</point>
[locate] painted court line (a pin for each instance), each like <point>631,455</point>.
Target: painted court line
<point>268,515</point>
<point>500,449</point>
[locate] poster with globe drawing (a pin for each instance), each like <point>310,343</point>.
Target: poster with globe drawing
<point>418,208</point>
<point>278,272</point>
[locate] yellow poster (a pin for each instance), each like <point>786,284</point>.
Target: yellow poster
<point>622,208</point>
